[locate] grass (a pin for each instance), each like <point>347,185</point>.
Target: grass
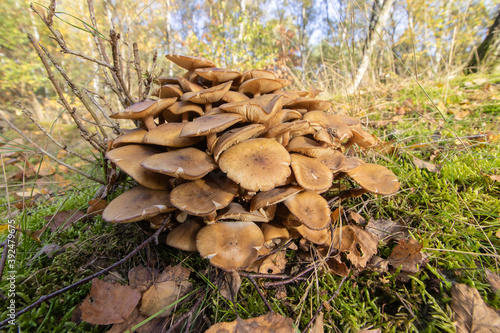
<point>455,214</point>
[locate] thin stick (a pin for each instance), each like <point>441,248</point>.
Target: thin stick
<point>187,314</point>
<point>138,68</point>
<point>76,284</point>
<point>44,152</point>
<point>264,276</point>
<point>337,292</point>
<point>117,68</point>
<point>44,131</point>
<point>260,293</point>
<point>290,280</point>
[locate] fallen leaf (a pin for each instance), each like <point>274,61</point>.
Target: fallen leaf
<point>337,267</point>
<point>64,220</point>
<point>229,284</point>
<point>141,278</point>
<point>162,295</point>
<point>45,168</point>
<point>108,303</point>
<point>152,326</point>
<point>426,165</point>
<point>317,327</point>
<point>274,263</point>
<point>96,207</point>
<point>176,273</point>
<point>356,218</point>
<point>472,314</point>
<point>407,254</point>
<point>495,177</point>
<point>50,250</point>
<point>493,280</point>
<point>268,323</point>
<point>378,265</point>
<point>387,229</point>
<point>62,153</point>
<point>360,245</point>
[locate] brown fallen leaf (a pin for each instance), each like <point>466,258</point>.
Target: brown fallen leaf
<point>378,265</point>
<point>171,285</point>
<point>141,278</point>
<point>421,164</point>
<point>387,229</point>
<point>45,168</point>
<point>268,323</point>
<point>229,284</point>
<point>472,314</point>
<point>360,245</point>
<point>96,207</point>
<point>495,177</point>
<point>317,327</point>
<point>337,267</point>
<point>108,303</point>
<point>274,263</point>
<point>64,220</point>
<point>493,280</point>
<point>356,218</point>
<point>407,254</point>
<point>152,326</point>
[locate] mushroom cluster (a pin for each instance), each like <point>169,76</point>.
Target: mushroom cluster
<point>241,163</point>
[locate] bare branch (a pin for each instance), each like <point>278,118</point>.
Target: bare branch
<point>138,69</point>
<point>44,152</point>
<point>117,68</point>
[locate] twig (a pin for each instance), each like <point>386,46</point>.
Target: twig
<point>278,249</point>
<point>260,293</point>
<point>44,131</point>
<point>290,280</point>
<point>187,314</point>
<point>264,276</point>
<point>117,68</point>
<point>75,90</point>
<point>150,77</point>
<point>138,69</point>
<point>337,292</point>
<point>83,131</point>
<point>89,278</point>
<point>44,152</point>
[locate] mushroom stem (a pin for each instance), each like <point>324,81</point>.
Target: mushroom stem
<point>149,122</point>
<point>185,117</point>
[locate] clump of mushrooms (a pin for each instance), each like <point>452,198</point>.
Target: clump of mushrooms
<point>242,164</point>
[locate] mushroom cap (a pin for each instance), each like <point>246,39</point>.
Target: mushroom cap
<point>311,174</point>
<point>256,110</point>
<point>188,86</point>
<point>309,104</point>
<point>351,162</point>
<point>234,96</point>
<point>308,147</point>
<point>189,63</point>
<point>209,95</point>
<point>210,123</point>
<point>230,245</point>
<point>318,237</point>
<point>375,178</point>
<point>163,80</point>
<point>168,90</point>
<point>235,211</point>
<point>257,164</point>
<point>257,73</point>
<point>311,209</point>
<point>182,107</point>
<point>138,203</point>
<point>235,136</point>
<point>335,161</point>
<point>260,86</point>
<point>218,74</point>
<point>183,236</point>
<point>129,159</point>
<point>168,135</point>
<point>144,109</point>
<point>135,135</point>
<point>274,196</point>
<point>187,163</point>
<point>362,138</point>
<point>204,196</point>
<point>274,230</point>
<point>333,123</point>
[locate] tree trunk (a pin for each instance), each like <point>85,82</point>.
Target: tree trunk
<point>489,48</point>
<point>378,19</point>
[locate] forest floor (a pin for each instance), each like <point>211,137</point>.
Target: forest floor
<point>441,231</point>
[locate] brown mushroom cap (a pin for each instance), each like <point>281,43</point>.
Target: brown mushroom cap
<point>217,75</point>
<point>168,135</point>
<point>190,63</point>
<point>145,111</point>
<point>211,123</point>
<point>187,163</point>
<point>183,236</point>
<point>274,196</point>
<point>375,178</point>
<point>230,245</point>
<point>257,164</point>
<point>203,197</point>
<point>311,209</point>
<point>188,86</point>
<point>311,174</point>
<point>308,147</point>
<point>234,136</point>
<point>235,211</point>
<point>257,73</point>
<point>274,230</point>
<point>234,96</point>
<point>318,237</point>
<point>256,110</point>
<point>137,204</point>
<point>362,138</point>
<point>333,123</point>
<point>129,159</point>
<point>335,161</point>
<point>206,96</point>
<point>309,104</point>
<point>351,163</point>
<point>260,86</point>
<point>135,135</point>
<point>182,107</point>
<point>168,90</point>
